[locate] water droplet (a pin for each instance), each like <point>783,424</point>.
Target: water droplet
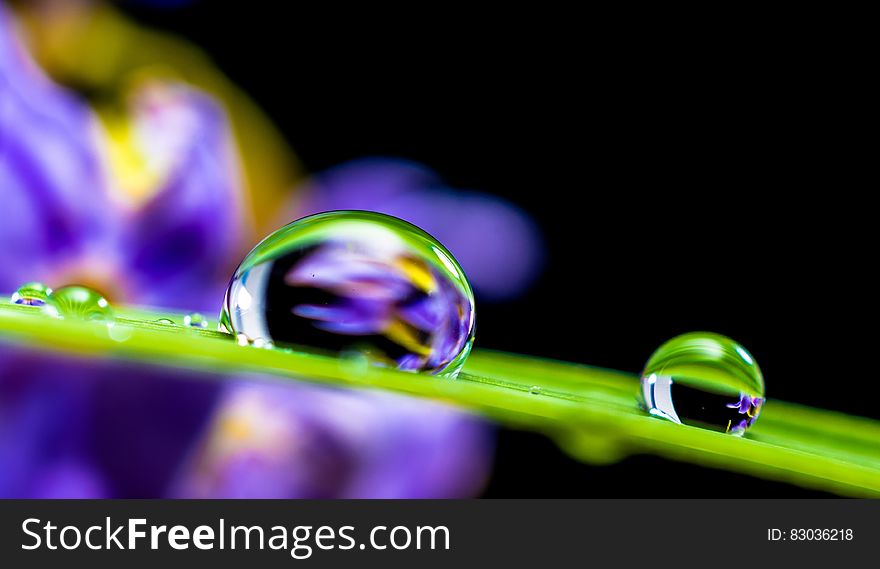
<point>348,281</point>
<point>166,322</point>
<point>535,390</point>
<point>78,302</point>
<point>31,294</point>
<point>195,320</point>
<point>705,380</point>
<point>354,363</point>
<point>261,343</point>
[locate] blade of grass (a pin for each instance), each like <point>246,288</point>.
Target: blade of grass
<point>592,412</point>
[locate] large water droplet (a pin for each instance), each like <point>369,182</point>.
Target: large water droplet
<point>351,281</point>
<point>31,294</point>
<point>78,302</point>
<point>705,380</point>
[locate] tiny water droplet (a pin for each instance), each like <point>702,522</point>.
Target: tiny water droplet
<point>166,322</point>
<point>706,380</point>
<point>78,302</point>
<point>347,281</point>
<point>195,320</point>
<point>243,340</point>
<point>535,390</point>
<point>355,363</point>
<point>31,294</point>
<point>261,343</point>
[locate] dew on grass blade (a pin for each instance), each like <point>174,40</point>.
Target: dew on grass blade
<point>78,302</point>
<point>195,320</point>
<point>166,322</point>
<point>261,343</point>
<point>31,294</point>
<point>351,281</point>
<point>706,380</point>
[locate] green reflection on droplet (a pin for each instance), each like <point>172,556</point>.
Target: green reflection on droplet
<point>78,302</point>
<point>31,294</point>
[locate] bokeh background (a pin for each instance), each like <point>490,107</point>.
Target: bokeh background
<point>606,187</point>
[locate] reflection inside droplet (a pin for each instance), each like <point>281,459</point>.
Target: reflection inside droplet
<point>345,282</point>
<point>704,380</point>
<point>31,294</point>
<point>78,302</point>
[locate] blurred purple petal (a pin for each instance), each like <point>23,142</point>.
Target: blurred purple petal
<point>496,243</point>
<point>53,190</point>
<point>117,429</point>
<point>302,441</point>
<point>69,480</point>
<point>182,244</point>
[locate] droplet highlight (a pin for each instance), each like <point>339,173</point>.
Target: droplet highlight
<point>705,380</point>
<point>355,282</point>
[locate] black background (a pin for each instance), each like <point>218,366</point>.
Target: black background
<point>686,177</point>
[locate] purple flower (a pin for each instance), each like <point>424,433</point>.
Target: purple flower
<point>180,246</point>
<point>51,182</point>
<point>743,405</point>
<point>149,211</point>
<point>746,405</point>
<point>496,243</point>
<point>67,219</point>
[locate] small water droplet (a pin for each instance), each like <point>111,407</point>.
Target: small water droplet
<point>346,281</point>
<point>705,380</point>
<point>31,294</point>
<point>354,363</point>
<point>166,322</point>
<point>195,320</point>
<point>78,302</point>
<point>261,343</point>
<point>535,390</point>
